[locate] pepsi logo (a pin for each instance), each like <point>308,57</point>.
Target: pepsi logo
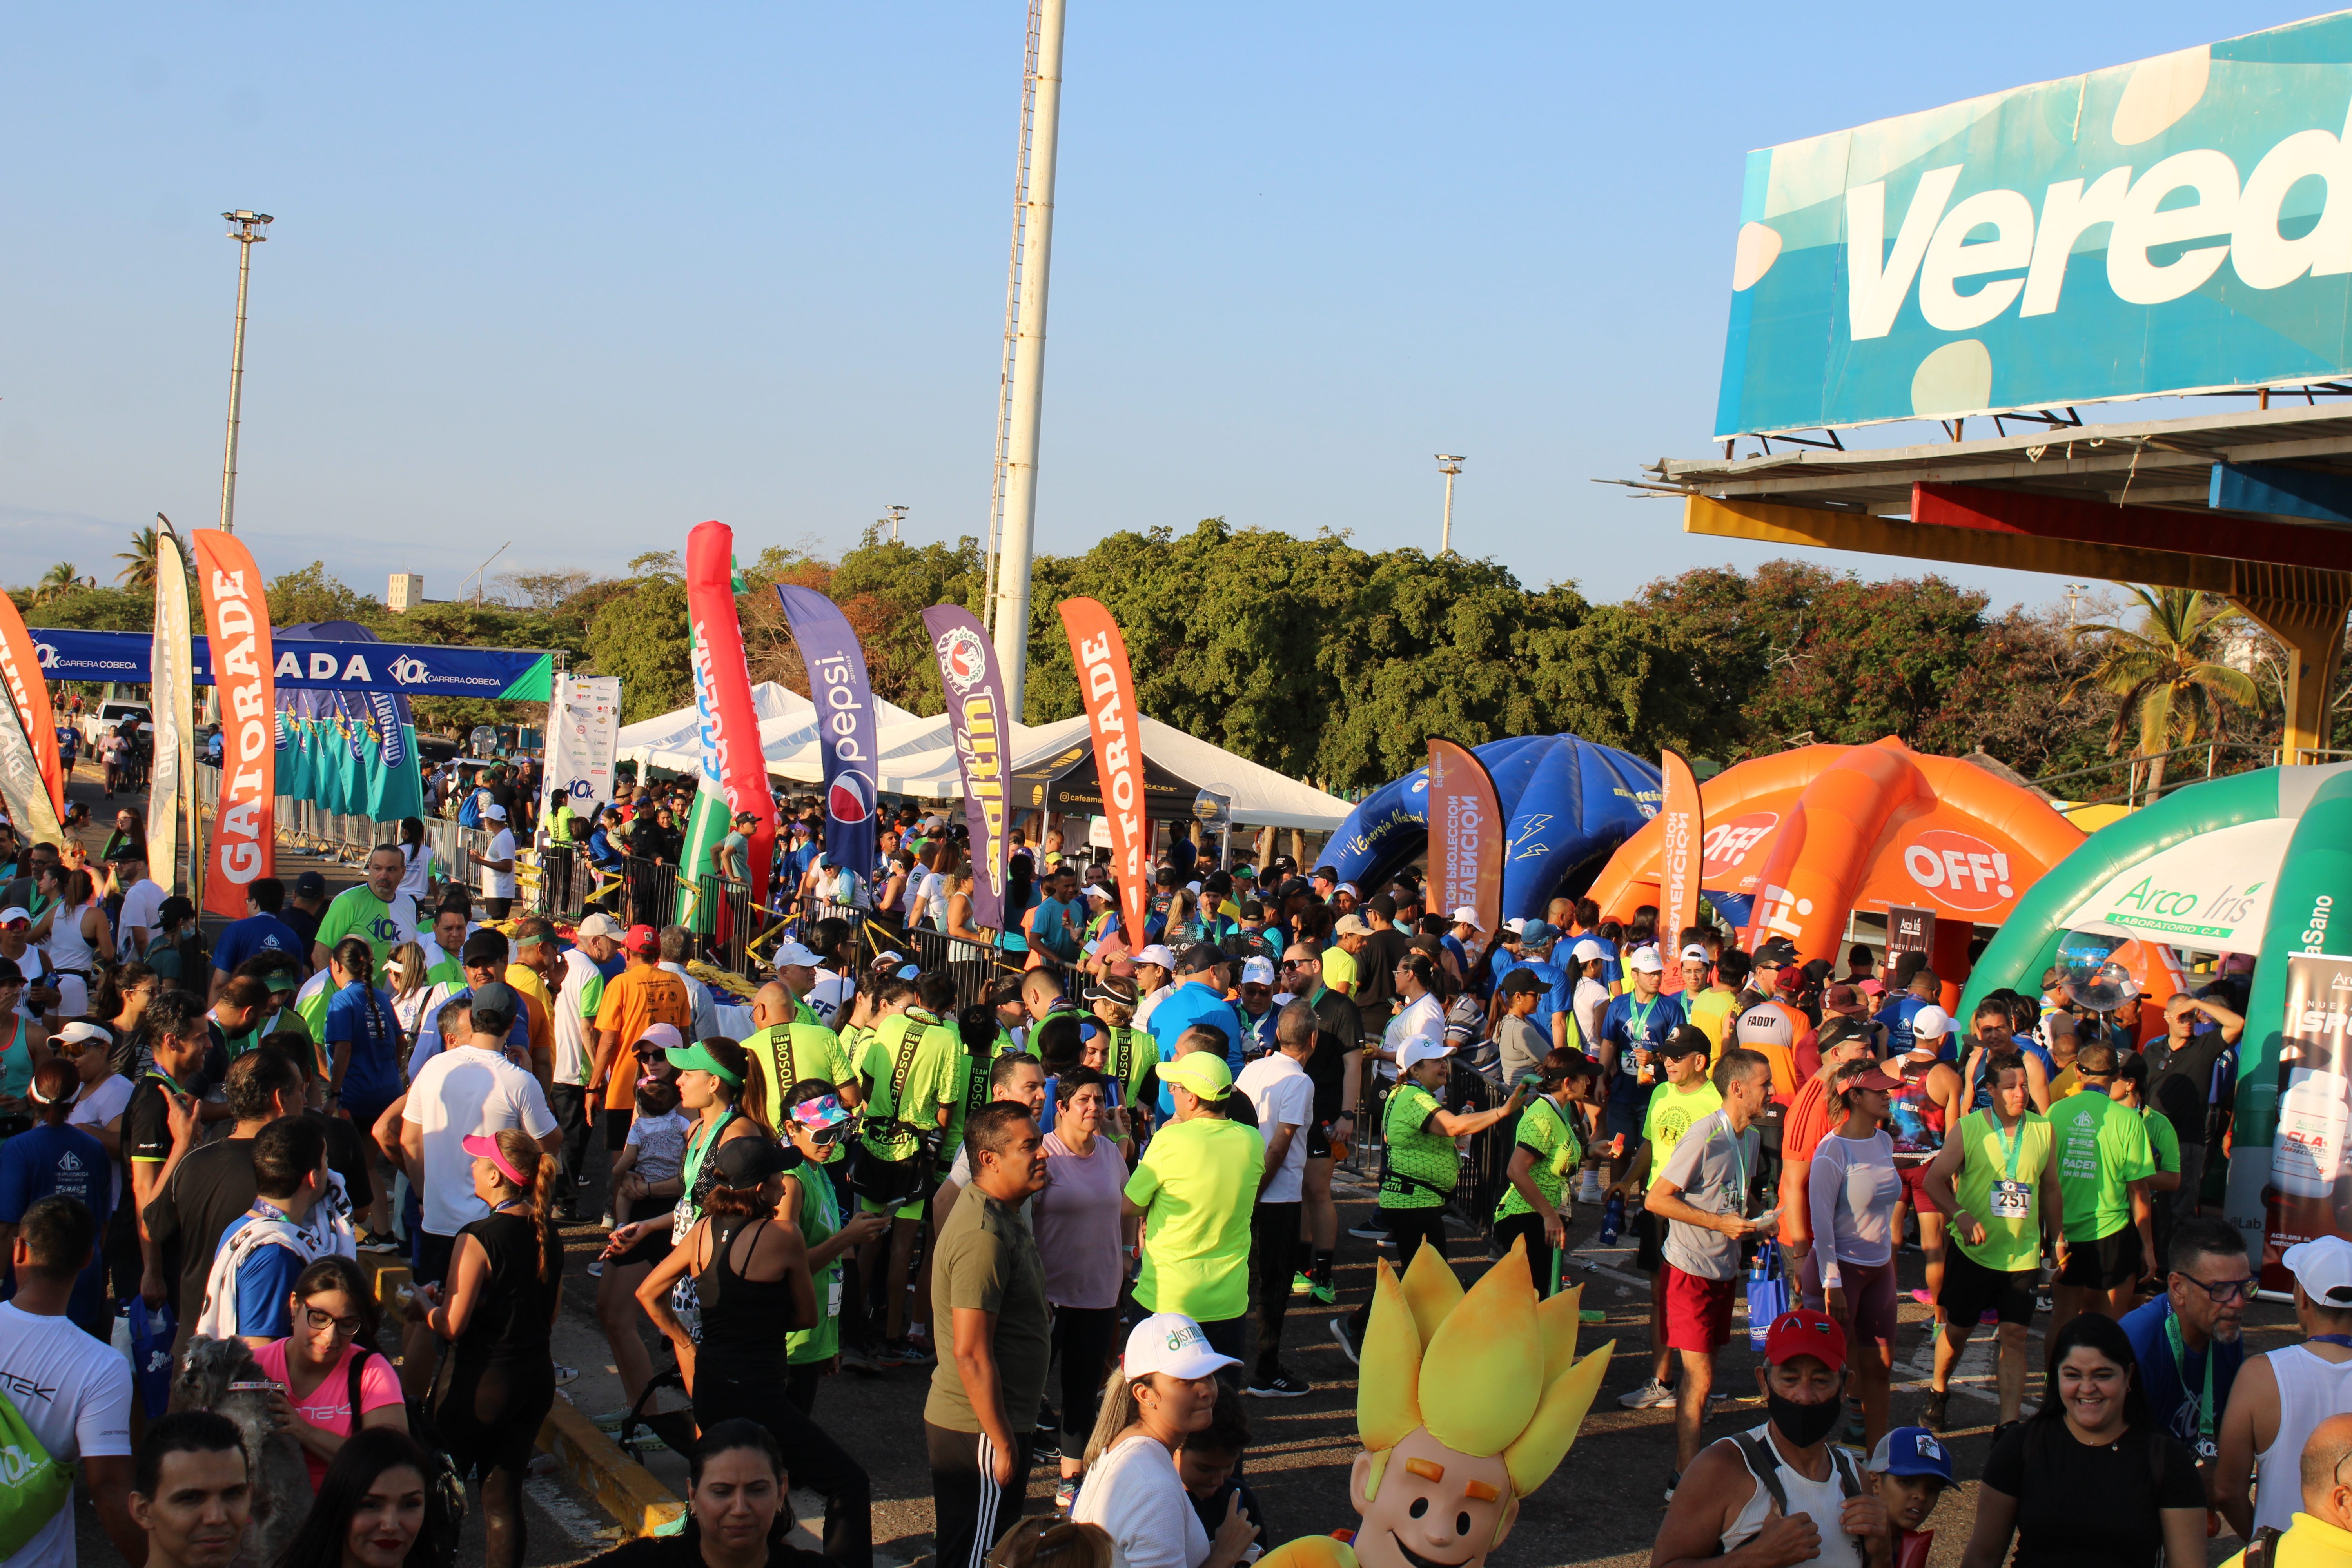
<point>850,797</point>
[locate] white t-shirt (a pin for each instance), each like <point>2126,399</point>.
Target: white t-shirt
<point>141,906</point>
<point>1592,1004</point>
<point>499,884</point>
<point>1420,1020</point>
<point>1135,1495</point>
<point>74,1394</point>
<point>100,1105</point>
<point>830,997</point>
<point>1285,1097</point>
<point>462,1091</point>
<point>416,871</point>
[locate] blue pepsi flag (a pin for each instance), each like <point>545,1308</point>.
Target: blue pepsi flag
<point>845,722</point>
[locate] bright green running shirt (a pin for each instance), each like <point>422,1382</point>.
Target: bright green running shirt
<point>1422,1165</point>
<point>2013,1241</point>
<point>820,1218</point>
<point>1671,1114</point>
<point>2101,1149</point>
<point>930,1079</point>
<point>2163,1142</point>
<point>1544,1127</point>
<point>357,911</point>
<point>1200,1181</point>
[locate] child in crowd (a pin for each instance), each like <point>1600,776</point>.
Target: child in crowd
<point>1207,1462</point>
<point>1909,1472</point>
<point>647,1170</point>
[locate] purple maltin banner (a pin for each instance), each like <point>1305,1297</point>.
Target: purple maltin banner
<point>976,716</point>
<point>845,722</point>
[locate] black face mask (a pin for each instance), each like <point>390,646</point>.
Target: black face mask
<point>1803,1425</point>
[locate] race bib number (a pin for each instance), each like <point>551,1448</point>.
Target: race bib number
<point>832,1297</point>
<point>2011,1200</point>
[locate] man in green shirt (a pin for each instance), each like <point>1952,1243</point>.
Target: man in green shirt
<point>1995,1179</point>
<point>376,910</point>
<point>1195,1189</point>
<point>1422,1164</point>
<point>2104,1164</point>
<point>791,1048</point>
<point>442,963</point>
<point>2129,1090</point>
<point>907,1082</point>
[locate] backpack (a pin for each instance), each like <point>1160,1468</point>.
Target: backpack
<point>1762,1463</point>
<point>470,814</point>
<point>37,1486</point>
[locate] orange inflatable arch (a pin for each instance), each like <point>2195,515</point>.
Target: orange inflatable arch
<point>1813,833</point>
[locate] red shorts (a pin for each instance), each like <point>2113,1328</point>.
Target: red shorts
<point>1698,1311</point>
<point>1915,1188</point>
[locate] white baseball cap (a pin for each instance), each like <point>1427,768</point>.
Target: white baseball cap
<point>1694,953</point>
<point>1258,971</point>
<point>14,912</point>
<point>494,812</point>
<point>1466,916</point>
<point>1157,954</point>
<point>1588,951</point>
<point>1516,923</point>
<point>601,924</point>
<point>1174,1343</point>
<point>1645,961</point>
<point>1419,1049</point>
<point>1930,1024</point>
<point>791,954</point>
<point>2322,1266</point>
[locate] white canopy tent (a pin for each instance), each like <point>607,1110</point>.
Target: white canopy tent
<point>1261,796</point>
<point>788,736</point>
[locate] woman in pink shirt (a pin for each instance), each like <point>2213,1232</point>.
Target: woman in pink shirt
<point>1078,1225</point>
<point>335,1321</point>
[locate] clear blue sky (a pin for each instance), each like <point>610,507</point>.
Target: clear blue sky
<point>579,277</point>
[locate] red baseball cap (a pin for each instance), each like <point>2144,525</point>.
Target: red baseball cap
<point>642,940</point>
<point>1806,1332</point>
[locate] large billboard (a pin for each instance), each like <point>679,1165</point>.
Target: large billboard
<point>2174,226</point>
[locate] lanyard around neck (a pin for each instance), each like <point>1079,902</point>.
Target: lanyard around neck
<point>2181,1359</point>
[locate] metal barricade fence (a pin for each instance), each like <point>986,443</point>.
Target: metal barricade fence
<point>973,966</point>
<point>308,827</point>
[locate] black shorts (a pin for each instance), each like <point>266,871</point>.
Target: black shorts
<point>2102,1265</point>
<point>1971,1289</point>
<point>1319,1140</point>
<point>1648,1244</point>
<point>431,1265</point>
<point>616,1128</point>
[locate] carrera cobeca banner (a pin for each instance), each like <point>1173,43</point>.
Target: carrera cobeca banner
<point>20,667</point>
<point>244,840</point>
<point>976,718</point>
<point>845,722</point>
<point>732,762</point>
<point>1467,833</point>
<point>1108,685</point>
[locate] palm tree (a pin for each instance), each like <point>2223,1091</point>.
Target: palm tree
<point>62,579</point>
<point>2166,674</point>
<point>139,569</point>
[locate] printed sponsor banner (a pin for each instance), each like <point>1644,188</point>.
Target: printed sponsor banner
<point>584,730</point>
<point>414,669</point>
<point>168,709</point>
<point>2180,224</point>
<point>28,687</point>
<point>1908,930</point>
<point>25,792</point>
<point>1466,834</point>
<point>1678,858</point>
<point>2307,1194</point>
<point>845,722</point>
<point>977,719</point>
<point>1107,685</point>
<point>243,843</point>
<point>2211,891</point>
<point>733,766</point>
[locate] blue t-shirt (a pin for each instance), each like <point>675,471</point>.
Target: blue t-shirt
<point>1046,932</point>
<point>265,1282</point>
<point>1897,1016</point>
<point>1562,984</point>
<point>607,967</point>
<point>2174,1391</point>
<point>373,1078</point>
<point>1188,1005</point>
<point>1629,1024</point>
<point>255,934</point>
<point>59,1162</point>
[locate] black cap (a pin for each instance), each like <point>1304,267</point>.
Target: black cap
<point>1382,905</point>
<point>1521,980</point>
<point>1198,957</point>
<point>496,1006</point>
<point>1779,951</point>
<point>1292,888</point>
<point>310,885</point>
<point>484,946</point>
<point>1217,882</point>
<point>747,1162</point>
<point>1252,909</point>
<point>1818,970</point>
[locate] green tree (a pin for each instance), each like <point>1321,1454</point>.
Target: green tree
<point>643,637</point>
<point>2168,674</point>
<point>60,580</point>
<point>314,593</point>
<point>138,561</point>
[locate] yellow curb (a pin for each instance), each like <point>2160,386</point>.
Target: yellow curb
<point>622,1486</point>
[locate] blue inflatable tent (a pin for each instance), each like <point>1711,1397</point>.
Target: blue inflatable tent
<point>1569,804</point>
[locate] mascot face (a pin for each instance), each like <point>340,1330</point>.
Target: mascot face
<point>1436,1508</point>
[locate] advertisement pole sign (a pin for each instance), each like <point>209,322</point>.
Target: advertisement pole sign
<point>1107,685</point>
<point>172,775</point>
<point>244,840</point>
<point>1467,833</point>
<point>734,768</point>
<point>583,730</point>
<point>22,789</point>
<point>1908,930</point>
<point>845,723</point>
<point>977,719</point>
<point>28,688</point>
<point>1685,823</point>
<point>2174,226</point>
<point>2306,1195</point>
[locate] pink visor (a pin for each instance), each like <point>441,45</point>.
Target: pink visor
<point>487,1147</point>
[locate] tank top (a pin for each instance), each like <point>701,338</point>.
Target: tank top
<point>512,1320</point>
<point>17,1065</point>
<point>2310,1389</point>
<point>741,1315</point>
<point>69,949</point>
<point>1914,1120</point>
<point>1824,1499</point>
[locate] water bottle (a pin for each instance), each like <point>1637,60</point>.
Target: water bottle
<point>1612,1219</point>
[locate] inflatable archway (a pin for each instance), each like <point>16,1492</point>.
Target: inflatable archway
<point>1569,803</point>
<point>2259,863</point>
<point>1796,841</point>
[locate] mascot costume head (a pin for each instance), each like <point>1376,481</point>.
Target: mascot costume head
<point>1466,1402</point>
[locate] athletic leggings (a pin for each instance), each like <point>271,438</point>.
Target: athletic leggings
<point>1083,1337</point>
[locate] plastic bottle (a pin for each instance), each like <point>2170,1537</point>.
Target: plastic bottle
<point>1612,1219</point>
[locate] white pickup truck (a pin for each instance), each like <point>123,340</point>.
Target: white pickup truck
<point>109,716</point>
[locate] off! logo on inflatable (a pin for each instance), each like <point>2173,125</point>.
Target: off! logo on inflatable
<point>1961,870</point>
<point>1727,847</point>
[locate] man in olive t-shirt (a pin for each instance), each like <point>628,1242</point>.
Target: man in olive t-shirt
<point>995,1338</point>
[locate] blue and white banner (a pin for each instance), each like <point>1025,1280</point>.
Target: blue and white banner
<point>845,722</point>
<point>413,670</point>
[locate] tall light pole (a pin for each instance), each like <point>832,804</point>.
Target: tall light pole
<point>1021,396</point>
<point>1449,465</point>
<point>247,234</point>
<point>898,516</point>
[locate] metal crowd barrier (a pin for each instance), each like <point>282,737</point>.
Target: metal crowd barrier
<point>308,827</point>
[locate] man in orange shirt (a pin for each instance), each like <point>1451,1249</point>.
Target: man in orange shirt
<point>643,995</point>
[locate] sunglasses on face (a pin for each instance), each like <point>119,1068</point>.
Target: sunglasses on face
<point>17,925</point>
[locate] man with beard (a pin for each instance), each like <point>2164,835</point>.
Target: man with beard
<point>1780,1494</point>
<point>2190,1342</point>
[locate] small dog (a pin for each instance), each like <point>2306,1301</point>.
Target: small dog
<point>281,1481</point>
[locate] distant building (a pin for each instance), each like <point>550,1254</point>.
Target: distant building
<point>405,591</point>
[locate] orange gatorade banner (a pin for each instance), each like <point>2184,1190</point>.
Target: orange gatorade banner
<point>1108,685</point>
<point>237,618</point>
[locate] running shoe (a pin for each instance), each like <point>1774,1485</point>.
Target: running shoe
<point>564,1374</point>
<point>858,1358</point>
<point>1301,1283</point>
<point>1369,1232</point>
<point>1281,1386</point>
<point>1923,1298</point>
<point>1588,1190</point>
<point>1932,1418</point>
<point>1347,1341</point>
<point>1324,1292</point>
<point>375,1241</point>
<point>1651,1396</point>
<point>596,1269</point>
<point>1065,1496</point>
<point>610,1421</point>
<point>605,1220</point>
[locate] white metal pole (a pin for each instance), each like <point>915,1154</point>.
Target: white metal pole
<point>1449,465</point>
<point>247,234</point>
<point>1011,622</point>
